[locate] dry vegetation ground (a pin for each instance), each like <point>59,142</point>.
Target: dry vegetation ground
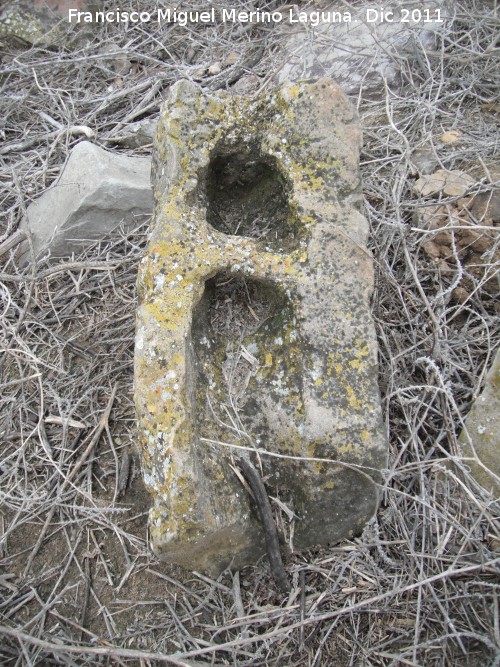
<point>78,585</point>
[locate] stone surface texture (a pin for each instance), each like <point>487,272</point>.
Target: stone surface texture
<point>36,21</point>
<point>136,135</point>
<point>96,192</point>
<point>358,53</point>
<point>480,438</point>
<point>254,326</point>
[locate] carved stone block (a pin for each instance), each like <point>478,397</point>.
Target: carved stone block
<point>254,329</point>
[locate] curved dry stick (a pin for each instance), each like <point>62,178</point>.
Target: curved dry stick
<point>266,516</point>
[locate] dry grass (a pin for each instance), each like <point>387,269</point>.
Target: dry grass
<point>78,584</point>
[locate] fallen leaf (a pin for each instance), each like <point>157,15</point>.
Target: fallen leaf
<point>451,183</point>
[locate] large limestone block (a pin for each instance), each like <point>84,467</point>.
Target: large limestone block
<point>254,329</point>
<point>96,192</point>
<point>363,45</point>
<point>480,439</point>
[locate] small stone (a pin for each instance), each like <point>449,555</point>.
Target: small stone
<point>451,137</point>
<point>136,135</point>
<point>492,107</point>
<point>485,207</point>
<point>24,22</point>
<point>231,58</point>
<point>19,27</point>
<point>457,184</point>
<point>246,84</point>
<point>430,184</point>
<point>215,68</point>
<point>198,73</point>
<point>462,235</point>
<point>460,295</point>
<point>115,59</point>
<point>425,160</point>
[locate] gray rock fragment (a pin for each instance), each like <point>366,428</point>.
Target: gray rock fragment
<point>96,192</point>
<point>25,22</point>
<point>359,52</point>
<point>115,59</point>
<point>136,135</point>
<point>480,438</point>
<point>425,160</point>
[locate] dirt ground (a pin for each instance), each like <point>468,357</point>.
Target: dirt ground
<point>78,583</point>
